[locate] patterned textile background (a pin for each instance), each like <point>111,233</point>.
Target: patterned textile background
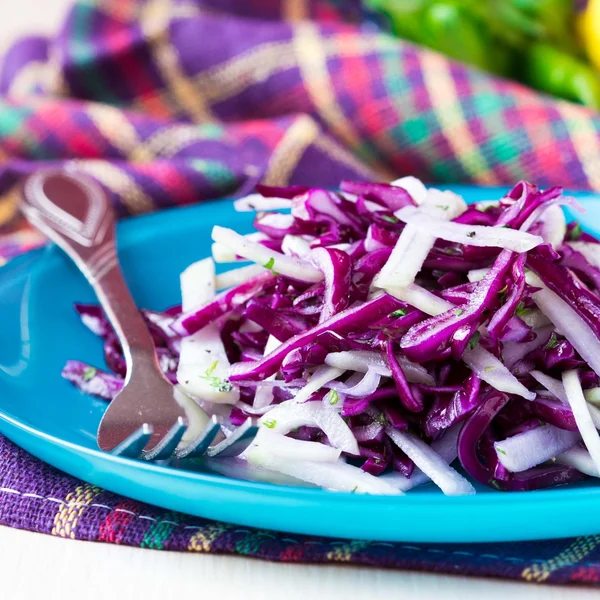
<point>171,102</point>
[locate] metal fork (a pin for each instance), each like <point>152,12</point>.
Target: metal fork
<point>145,420</point>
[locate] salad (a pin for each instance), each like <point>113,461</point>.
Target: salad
<point>388,335</point>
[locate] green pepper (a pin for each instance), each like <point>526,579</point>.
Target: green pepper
<point>561,74</point>
<point>448,26</point>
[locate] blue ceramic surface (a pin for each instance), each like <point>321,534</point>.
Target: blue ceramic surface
<point>48,417</point>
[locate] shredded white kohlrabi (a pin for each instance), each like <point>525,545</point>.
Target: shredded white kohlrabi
<point>338,476</point>
<point>255,202</point>
<point>237,276</point>
<point>203,369</point>
<point>414,245</point>
<point>533,447</point>
<point>431,463</point>
<point>469,235</point>
<point>581,412</point>
<point>567,322</point>
<point>290,415</point>
<point>270,259</point>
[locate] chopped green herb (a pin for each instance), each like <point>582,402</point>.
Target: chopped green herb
<point>488,368</point>
<point>270,264</point>
<point>377,460</point>
<point>552,342</point>
<point>495,484</point>
<point>442,206</point>
<point>334,397</point>
<point>458,311</point>
<point>398,313</point>
<point>471,234</point>
<point>474,340</point>
<point>354,489</point>
<point>484,207</point>
<point>211,369</point>
<point>89,373</point>
<point>390,218</point>
<point>381,419</point>
<point>222,385</point>
<point>270,423</point>
<point>575,233</point>
<point>521,310</point>
<point>501,451</point>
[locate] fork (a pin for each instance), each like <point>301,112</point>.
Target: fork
<point>145,420</point>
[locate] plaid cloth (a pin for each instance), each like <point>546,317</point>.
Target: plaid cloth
<point>170,102</point>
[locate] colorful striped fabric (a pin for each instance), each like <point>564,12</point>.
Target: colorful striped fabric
<point>170,102</point>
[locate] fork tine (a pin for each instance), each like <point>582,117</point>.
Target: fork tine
<point>166,447</point>
<point>236,443</point>
<point>133,445</point>
<point>199,446</point>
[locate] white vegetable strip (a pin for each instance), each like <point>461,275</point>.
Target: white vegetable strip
<point>197,419</point>
<point>258,202</point>
<point>554,226</point>
<point>203,364</point>
<point>580,459</point>
<point>589,250</point>
<point>420,298</point>
<point>567,321</point>
<point>240,468</point>
<point>471,235</point>
<point>365,360</point>
<point>413,245</point>
<point>290,415</point>
<point>222,254</point>
<point>284,447</point>
<point>557,389</point>
<point>477,274</point>
<point>531,448</point>
<point>337,476</point>
<point>237,276</point>
<point>295,245</point>
<point>535,319</point>
<point>488,368</point>
<point>581,412</point>
<point>264,394</point>
<point>413,186</point>
<point>366,386</point>
<point>431,463</point>
<point>445,447</point>
<point>318,379</point>
<point>552,385</point>
<point>593,396</point>
<point>286,265</point>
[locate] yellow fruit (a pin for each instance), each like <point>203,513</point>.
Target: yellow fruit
<point>588,26</point>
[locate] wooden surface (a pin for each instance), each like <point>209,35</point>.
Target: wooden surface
<point>39,566</point>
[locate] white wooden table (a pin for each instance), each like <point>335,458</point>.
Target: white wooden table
<point>39,566</point>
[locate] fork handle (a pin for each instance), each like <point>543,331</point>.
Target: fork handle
<point>76,214</point>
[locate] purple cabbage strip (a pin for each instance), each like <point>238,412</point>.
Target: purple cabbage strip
<point>276,324</point>
<point>355,317</point>
<point>517,286</point>
<point>426,339</point>
<point>191,322</point>
<point>448,411</point>
<point>91,380</point>
<point>578,262</point>
<point>337,272</point>
<point>393,197</point>
<point>563,283</point>
<point>410,400</point>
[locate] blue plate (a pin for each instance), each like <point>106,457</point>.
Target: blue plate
<point>48,417</point>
